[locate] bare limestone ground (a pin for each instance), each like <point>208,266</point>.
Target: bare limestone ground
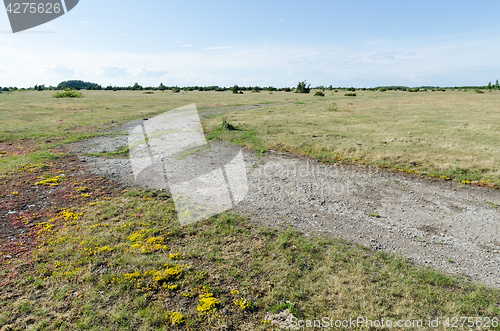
<point>451,227</point>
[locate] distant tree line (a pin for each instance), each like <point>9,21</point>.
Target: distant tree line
<point>302,87</point>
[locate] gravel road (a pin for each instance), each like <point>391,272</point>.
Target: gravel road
<point>432,222</point>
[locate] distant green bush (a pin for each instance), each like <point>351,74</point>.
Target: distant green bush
<point>350,94</point>
<point>149,92</point>
<point>303,88</point>
<point>68,94</point>
<point>319,94</point>
<point>479,91</point>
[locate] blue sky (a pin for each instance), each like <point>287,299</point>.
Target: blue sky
<point>277,43</point>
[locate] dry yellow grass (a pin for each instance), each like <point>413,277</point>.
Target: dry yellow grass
<point>450,133</point>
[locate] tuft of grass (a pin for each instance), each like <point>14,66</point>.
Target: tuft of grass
<point>115,153</point>
<point>495,205</point>
<point>226,125</point>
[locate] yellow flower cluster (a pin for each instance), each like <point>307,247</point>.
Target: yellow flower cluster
<point>51,181</point>
<point>176,256</point>
<point>68,214</point>
<point>149,245</point>
<point>46,228</point>
<point>175,317</point>
<point>170,287</point>
<point>97,250</point>
<point>168,274</point>
<point>30,167</point>
<point>133,276</point>
<point>243,304</point>
<point>207,304</point>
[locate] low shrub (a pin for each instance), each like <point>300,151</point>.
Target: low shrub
<point>479,91</point>
<point>68,94</point>
<point>319,94</point>
<point>350,94</point>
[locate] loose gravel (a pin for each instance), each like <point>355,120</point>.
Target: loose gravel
<point>437,223</point>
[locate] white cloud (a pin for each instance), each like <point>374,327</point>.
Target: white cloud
<point>362,64</point>
<point>187,45</point>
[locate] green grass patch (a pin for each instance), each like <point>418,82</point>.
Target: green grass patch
<point>126,263</point>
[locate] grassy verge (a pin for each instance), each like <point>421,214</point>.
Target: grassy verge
<point>125,263</point>
<point>452,134</point>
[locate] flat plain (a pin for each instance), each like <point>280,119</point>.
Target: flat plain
<point>82,252</point>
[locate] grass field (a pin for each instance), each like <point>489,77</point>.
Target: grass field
<point>121,261</point>
<point>452,134</point>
